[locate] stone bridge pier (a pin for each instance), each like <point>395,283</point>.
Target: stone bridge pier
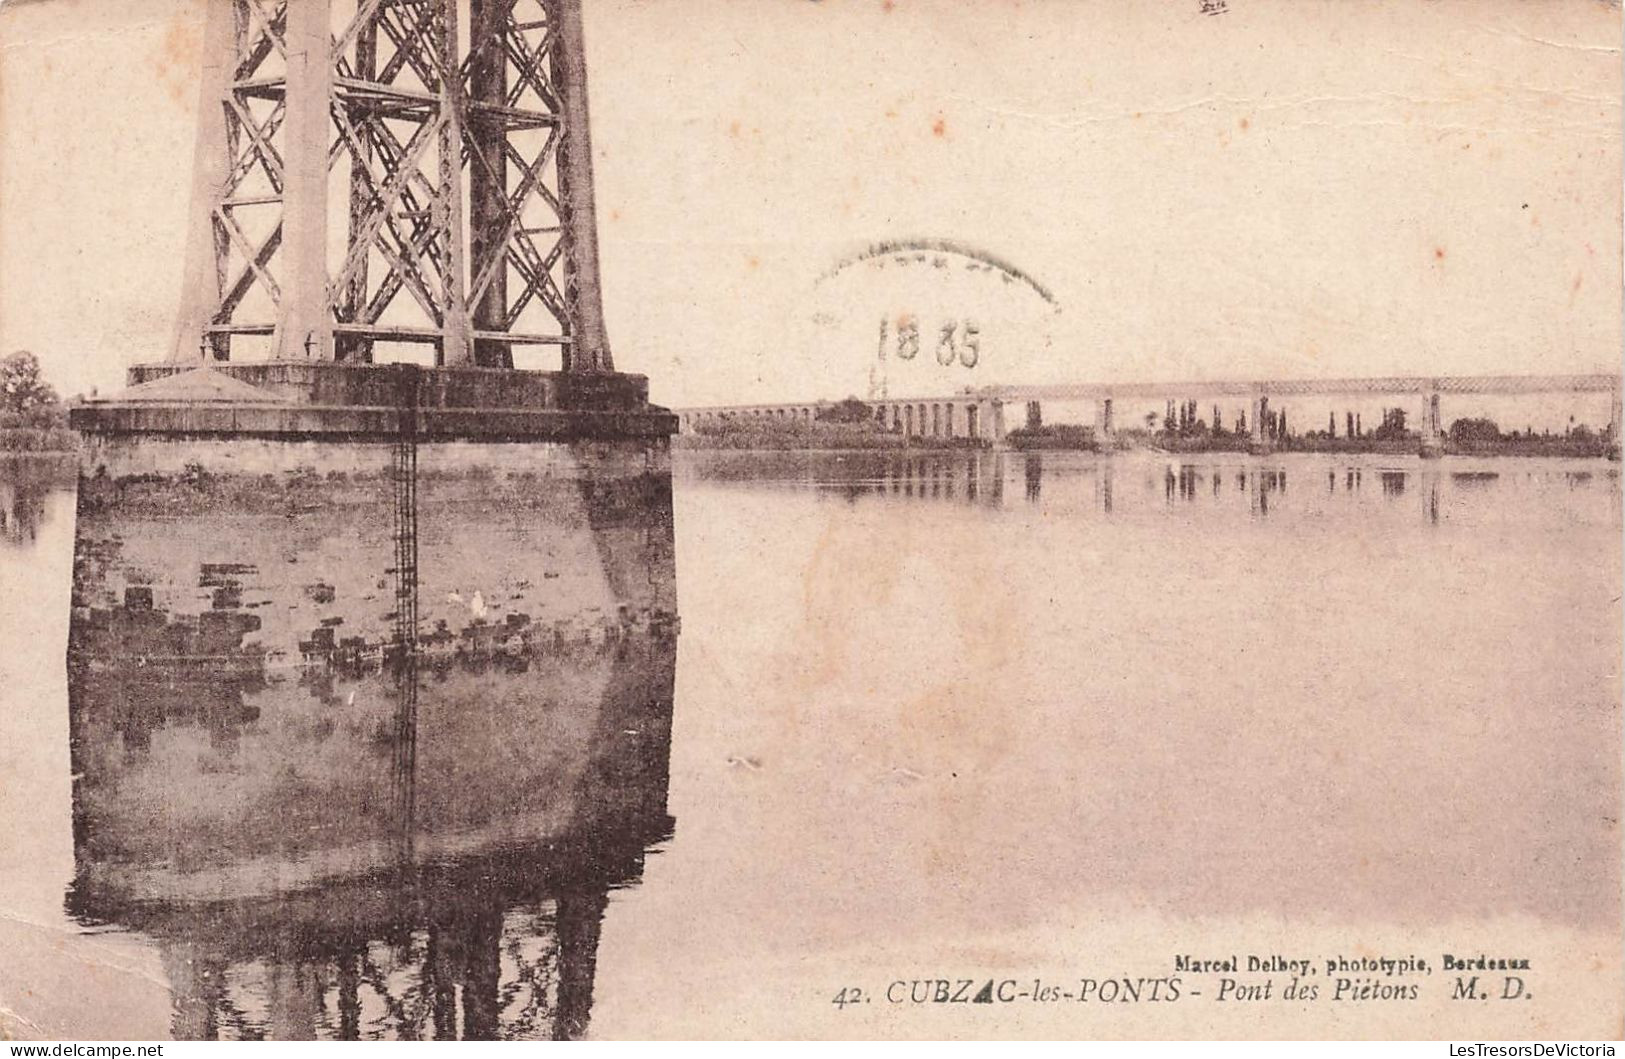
<point>992,418</point>
<point>1431,446</point>
<point>1105,429</point>
<point>1259,442</point>
<point>1614,414</point>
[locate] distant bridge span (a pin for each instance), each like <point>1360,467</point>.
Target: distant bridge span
<point>1393,384</point>
<point>978,413</point>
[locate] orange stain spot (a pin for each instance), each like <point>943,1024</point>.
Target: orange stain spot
<point>614,215</point>
<point>1244,123</point>
<point>1438,253</point>
<point>753,261</point>
<point>939,128</point>
<point>733,129</point>
<point>180,47</point>
<point>888,5</point>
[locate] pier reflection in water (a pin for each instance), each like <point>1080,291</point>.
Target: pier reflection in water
<point>337,820</point>
<point>1133,699</point>
<point>1138,485</point>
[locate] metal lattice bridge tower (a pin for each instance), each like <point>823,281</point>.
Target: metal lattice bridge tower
<point>392,205</point>
<point>375,172</point>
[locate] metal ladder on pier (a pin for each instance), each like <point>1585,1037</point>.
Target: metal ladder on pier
<point>403,473</point>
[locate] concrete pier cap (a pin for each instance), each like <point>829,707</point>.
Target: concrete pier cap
<point>316,399</point>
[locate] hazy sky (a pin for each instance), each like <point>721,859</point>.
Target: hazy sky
<point>1302,189</point>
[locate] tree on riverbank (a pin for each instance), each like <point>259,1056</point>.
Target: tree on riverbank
<point>25,396</point>
<point>1393,426</point>
<point>1470,430</point>
<point>32,416</point>
<point>849,410</point>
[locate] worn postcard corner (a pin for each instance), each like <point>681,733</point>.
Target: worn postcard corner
<point>891,519</point>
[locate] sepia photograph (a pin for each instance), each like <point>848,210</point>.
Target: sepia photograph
<point>891,520</point>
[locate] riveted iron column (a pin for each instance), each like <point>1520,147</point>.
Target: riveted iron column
<point>304,328</point>
<point>590,348</point>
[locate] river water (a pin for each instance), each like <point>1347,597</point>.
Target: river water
<point>1027,718</point>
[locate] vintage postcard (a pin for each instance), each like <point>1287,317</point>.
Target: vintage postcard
<point>887,519</point>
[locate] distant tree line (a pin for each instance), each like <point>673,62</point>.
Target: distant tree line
<point>1481,431</point>
<point>1182,425</point>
